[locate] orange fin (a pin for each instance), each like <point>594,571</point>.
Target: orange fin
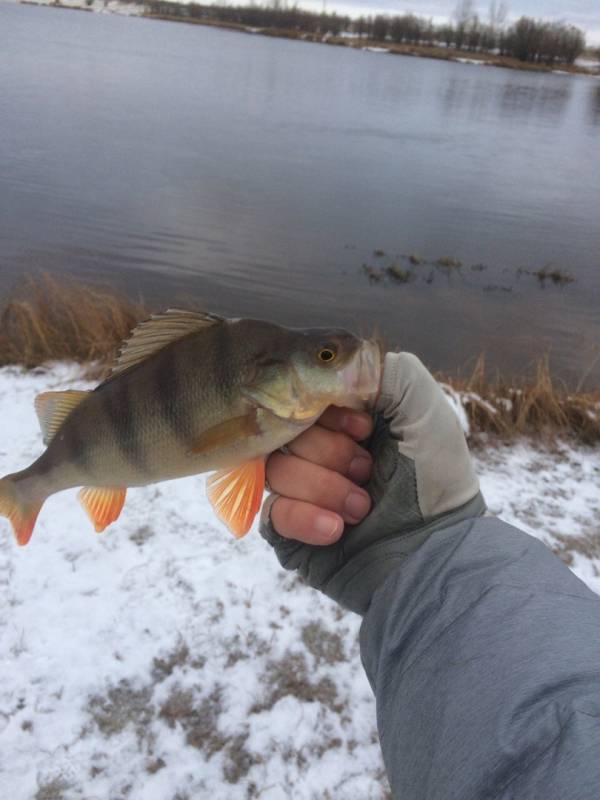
<point>53,408</point>
<point>236,495</point>
<point>103,505</point>
<point>21,514</point>
<point>226,433</point>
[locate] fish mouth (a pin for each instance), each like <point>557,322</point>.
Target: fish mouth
<point>362,377</point>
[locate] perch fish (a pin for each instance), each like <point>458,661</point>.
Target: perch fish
<point>190,393</point>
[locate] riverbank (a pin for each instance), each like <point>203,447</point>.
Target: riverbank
<point>49,319</point>
<point>378,47</point>
<point>364,43</point>
<point>165,659</point>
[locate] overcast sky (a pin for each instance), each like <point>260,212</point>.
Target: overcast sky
<point>583,13</point>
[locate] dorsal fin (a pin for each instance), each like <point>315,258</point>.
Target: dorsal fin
<point>157,332</point>
<point>53,408</point>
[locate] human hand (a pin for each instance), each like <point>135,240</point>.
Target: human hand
<point>318,479</point>
<point>422,480</point>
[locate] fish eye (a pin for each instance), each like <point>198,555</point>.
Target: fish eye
<point>327,354</point>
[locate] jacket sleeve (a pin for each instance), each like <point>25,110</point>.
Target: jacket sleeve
<point>483,651</point>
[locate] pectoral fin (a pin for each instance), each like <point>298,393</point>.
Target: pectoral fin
<point>227,433</point>
<point>102,505</point>
<point>236,495</point>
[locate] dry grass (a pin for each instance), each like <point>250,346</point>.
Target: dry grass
<point>536,406</point>
<point>50,319</point>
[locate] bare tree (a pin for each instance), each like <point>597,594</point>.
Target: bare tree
<point>497,14</point>
<point>464,14</point>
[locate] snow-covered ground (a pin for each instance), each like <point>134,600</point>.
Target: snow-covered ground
<point>162,660</point>
<point>100,6</point>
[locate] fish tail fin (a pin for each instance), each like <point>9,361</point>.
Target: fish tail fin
<point>19,507</point>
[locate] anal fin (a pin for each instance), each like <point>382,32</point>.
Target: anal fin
<point>236,494</point>
<point>103,505</point>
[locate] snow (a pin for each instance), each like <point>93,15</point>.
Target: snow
<point>163,659</point>
<point>100,6</point>
<point>588,63</point>
<point>476,61</point>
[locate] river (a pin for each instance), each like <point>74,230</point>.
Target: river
<point>256,176</point>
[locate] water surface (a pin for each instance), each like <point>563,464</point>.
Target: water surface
<point>256,176</point>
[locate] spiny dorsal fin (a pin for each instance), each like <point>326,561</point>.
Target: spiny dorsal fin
<point>157,332</point>
<point>53,408</point>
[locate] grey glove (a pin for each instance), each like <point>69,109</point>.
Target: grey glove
<point>422,480</point>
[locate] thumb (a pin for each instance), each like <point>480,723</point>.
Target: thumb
<point>427,431</point>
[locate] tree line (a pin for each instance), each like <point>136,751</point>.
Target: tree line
<point>527,39</point>
<point>277,15</point>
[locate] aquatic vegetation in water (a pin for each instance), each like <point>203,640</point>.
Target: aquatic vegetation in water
<point>374,274</point>
<point>557,276</point>
<point>398,274</point>
<point>496,287</point>
<point>416,259</point>
<point>449,263</point>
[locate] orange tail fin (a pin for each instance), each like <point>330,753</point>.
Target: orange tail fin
<point>22,512</point>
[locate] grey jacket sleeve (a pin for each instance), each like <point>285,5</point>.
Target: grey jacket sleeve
<point>483,651</point>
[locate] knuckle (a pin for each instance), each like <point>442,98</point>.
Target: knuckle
<point>335,448</point>
<point>276,467</point>
<point>280,513</point>
<point>331,491</point>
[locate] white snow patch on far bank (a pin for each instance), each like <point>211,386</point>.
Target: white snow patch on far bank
<point>166,657</point>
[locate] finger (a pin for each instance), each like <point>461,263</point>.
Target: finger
<point>335,451</point>
<point>298,479</point>
<point>305,522</point>
<point>357,424</point>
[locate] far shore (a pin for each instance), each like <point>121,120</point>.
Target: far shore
<point>371,45</point>
<point>376,46</point>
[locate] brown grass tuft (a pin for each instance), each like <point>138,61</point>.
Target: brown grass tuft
<point>536,407</point>
<point>50,319</point>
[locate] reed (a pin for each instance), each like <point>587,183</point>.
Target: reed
<point>51,319</point>
<point>535,406</point>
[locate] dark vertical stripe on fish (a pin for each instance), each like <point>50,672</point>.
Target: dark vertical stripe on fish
<point>166,386</point>
<point>222,365</point>
<point>120,410</point>
<point>74,440</point>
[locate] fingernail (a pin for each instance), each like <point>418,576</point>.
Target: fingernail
<point>359,469</point>
<point>357,505</point>
<point>356,425</point>
<point>328,526</point>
